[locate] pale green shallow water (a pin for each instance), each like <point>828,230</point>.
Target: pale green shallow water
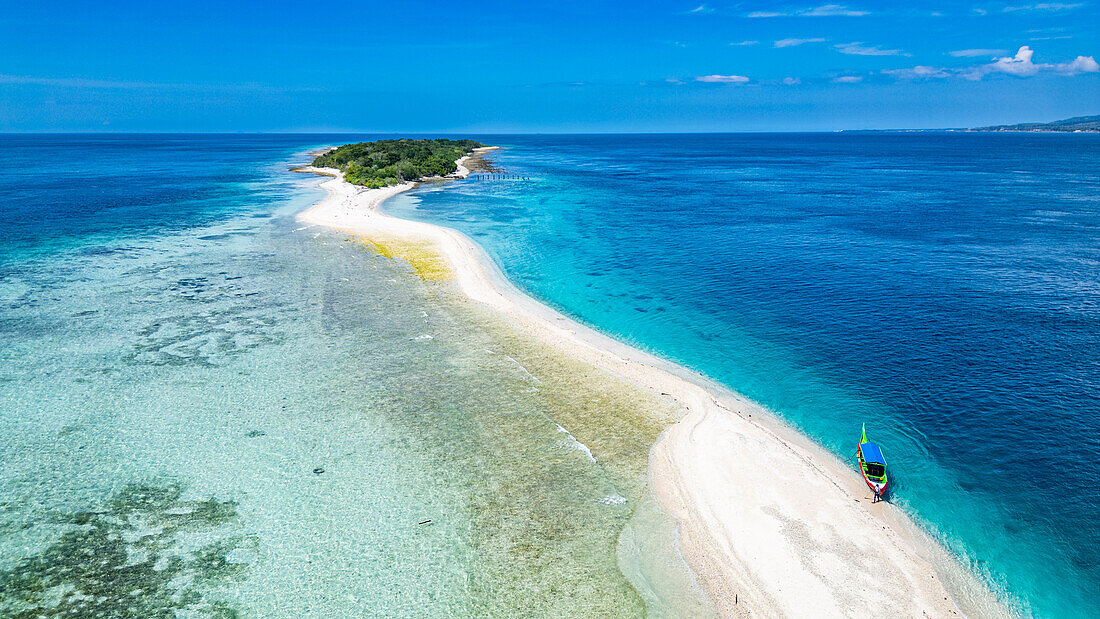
<point>165,405</point>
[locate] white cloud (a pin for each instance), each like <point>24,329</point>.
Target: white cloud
<point>87,83</point>
<point>791,81</point>
<point>825,10</point>
<point>722,79</point>
<point>743,43</point>
<point>1021,65</point>
<point>75,82</point>
<point>1080,64</point>
<point>971,53</point>
<point>1044,6</point>
<point>794,42</point>
<point>702,9</point>
<point>917,72</point>
<point>831,10</point>
<point>858,49</point>
<point>848,79</point>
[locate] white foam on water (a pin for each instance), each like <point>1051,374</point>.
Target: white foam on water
<point>524,370</point>
<point>571,441</point>
<point>612,499</point>
<point>423,337</point>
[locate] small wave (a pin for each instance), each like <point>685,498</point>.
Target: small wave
<point>423,337</point>
<point>571,441</point>
<point>524,370</point>
<point>612,499</point>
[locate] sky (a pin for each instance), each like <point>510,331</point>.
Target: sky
<point>419,66</point>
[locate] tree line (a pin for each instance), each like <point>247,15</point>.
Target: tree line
<point>389,162</point>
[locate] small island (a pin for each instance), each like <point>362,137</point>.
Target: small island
<point>390,162</point>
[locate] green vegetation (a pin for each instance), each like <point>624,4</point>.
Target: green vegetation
<point>389,162</point>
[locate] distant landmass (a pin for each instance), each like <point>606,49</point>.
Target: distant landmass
<point>1078,124</point>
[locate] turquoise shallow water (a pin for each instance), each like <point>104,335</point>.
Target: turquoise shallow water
<point>205,407</point>
<point>179,357</point>
<point>941,288</point>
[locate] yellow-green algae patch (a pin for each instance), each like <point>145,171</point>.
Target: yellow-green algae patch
<point>426,261</point>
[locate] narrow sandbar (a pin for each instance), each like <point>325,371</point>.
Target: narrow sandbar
<point>770,523</point>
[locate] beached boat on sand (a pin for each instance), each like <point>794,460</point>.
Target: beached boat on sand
<point>872,465</point>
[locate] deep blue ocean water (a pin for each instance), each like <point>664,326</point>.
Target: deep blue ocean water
<point>941,287</point>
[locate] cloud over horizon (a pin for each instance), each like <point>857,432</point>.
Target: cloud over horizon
<point>858,49</point>
<point>1043,6</point>
<point>1019,65</point>
<point>722,79</point>
<point>825,10</point>
<point>797,42</point>
<point>971,53</point>
<point>917,72</point>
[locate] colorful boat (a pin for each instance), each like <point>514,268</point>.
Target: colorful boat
<point>872,465</point>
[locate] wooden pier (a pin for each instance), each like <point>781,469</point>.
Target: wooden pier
<point>497,176</point>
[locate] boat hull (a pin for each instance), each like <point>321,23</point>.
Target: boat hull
<point>877,487</point>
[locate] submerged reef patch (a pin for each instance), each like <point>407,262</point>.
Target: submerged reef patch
<point>216,318</point>
<point>206,339</point>
<point>146,552</point>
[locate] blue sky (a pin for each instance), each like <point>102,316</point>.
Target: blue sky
<point>420,66</point>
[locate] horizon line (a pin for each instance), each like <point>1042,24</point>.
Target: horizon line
<point>452,132</point>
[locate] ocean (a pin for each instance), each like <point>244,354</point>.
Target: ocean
<point>940,287</point>
<point>209,408</point>
<point>248,415</point>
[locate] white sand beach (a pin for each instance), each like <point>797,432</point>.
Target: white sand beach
<point>770,523</point>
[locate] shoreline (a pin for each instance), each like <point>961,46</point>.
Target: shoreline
<point>769,522</point>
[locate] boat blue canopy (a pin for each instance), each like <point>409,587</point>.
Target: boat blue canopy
<point>871,453</point>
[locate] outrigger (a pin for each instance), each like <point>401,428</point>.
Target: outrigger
<point>872,465</point>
